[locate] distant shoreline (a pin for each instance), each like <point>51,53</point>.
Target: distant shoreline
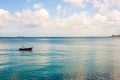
<point>115,36</point>
<point>60,36</point>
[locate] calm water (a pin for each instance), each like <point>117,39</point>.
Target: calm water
<point>60,59</point>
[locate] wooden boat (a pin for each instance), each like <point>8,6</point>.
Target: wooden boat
<point>26,49</point>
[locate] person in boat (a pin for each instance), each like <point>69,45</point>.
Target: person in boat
<point>23,46</point>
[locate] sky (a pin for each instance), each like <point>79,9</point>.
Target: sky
<point>59,18</point>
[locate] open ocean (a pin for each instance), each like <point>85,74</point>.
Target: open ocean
<point>60,58</point>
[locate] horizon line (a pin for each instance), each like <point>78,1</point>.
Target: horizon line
<point>50,36</point>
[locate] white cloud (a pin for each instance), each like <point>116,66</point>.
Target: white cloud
<point>61,10</point>
<point>79,3</point>
<point>102,6</point>
<point>64,11</point>
<point>4,17</point>
<point>83,24</point>
<point>106,6</point>
<point>37,6</point>
<point>29,18</point>
<point>112,3</point>
<point>105,21</point>
<point>42,13</point>
<point>58,8</point>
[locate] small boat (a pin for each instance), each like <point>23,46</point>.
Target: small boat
<point>26,49</point>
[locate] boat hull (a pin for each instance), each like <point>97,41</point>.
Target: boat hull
<point>25,49</point>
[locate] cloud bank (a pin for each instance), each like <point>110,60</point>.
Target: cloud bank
<point>40,23</point>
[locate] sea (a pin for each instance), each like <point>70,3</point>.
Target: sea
<point>60,58</point>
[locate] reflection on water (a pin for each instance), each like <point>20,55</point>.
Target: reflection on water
<point>60,59</point>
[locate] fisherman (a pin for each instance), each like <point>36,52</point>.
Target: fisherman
<point>23,46</point>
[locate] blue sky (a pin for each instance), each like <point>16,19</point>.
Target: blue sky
<point>59,17</point>
<point>18,5</point>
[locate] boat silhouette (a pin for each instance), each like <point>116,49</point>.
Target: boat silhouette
<point>25,49</point>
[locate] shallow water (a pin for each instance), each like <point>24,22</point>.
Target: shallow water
<point>60,59</point>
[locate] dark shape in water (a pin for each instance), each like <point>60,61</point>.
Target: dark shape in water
<point>115,36</point>
<point>26,49</point>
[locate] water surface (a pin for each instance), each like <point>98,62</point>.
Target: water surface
<point>60,59</point>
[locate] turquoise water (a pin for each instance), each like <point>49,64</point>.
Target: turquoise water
<point>60,59</point>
